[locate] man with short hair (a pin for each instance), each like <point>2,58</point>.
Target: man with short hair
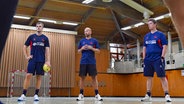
<point>88,46</point>
<point>39,55</point>
<point>154,50</point>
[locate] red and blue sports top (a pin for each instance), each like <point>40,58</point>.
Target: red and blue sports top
<point>37,45</point>
<point>88,56</point>
<point>154,44</point>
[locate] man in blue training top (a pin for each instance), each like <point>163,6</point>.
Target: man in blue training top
<point>39,55</point>
<point>154,50</point>
<point>88,46</point>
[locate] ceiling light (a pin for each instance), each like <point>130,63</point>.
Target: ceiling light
<point>87,1</point>
<point>70,23</point>
<point>139,24</point>
<point>126,28</point>
<point>159,18</point>
<point>142,23</point>
<point>107,0</point>
<point>45,29</point>
<point>47,20</point>
<point>22,17</point>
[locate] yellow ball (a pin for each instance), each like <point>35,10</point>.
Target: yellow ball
<point>46,68</point>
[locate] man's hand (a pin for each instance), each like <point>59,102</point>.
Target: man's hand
<point>162,59</point>
<point>89,47</point>
<point>29,57</point>
<point>48,63</point>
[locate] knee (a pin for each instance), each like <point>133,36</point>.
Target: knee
<point>28,76</point>
<point>163,79</point>
<point>94,78</point>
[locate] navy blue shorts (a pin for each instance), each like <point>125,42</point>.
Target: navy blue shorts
<point>87,69</point>
<point>157,66</point>
<point>35,67</point>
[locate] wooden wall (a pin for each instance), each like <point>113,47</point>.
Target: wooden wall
<point>109,84</point>
<point>122,84</point>
<point>62,48</point>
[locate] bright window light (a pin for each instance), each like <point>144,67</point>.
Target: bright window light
<point>22,17</point>
<point>47,20</point>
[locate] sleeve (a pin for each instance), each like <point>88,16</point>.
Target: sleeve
<point>28,41</point>
<point>47,44</point>
<point>144,44</point>
<point>79,45</point>
<point>163,39</point>
<point>96,44</point>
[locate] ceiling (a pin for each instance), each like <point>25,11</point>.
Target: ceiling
<point>105,18</point>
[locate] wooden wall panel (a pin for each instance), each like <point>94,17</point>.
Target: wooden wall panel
<point>62,57</point>
<point>133,85</point>
<point>109,84</point>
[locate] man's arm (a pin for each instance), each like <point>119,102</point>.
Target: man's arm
<point>26,53</point>
<point>164,50</point>
<point>47,56</point>
<point>93,49</point>
<point>144,52</point>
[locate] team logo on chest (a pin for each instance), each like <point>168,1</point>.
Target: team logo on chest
<point>90,42</point>
<point>43,40</point>
<point>155,36</point>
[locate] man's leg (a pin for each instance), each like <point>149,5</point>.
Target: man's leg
<point>165,88</point>
<point>147,97</point>
<point>38,82</point>
<point>25,86</point>
<point>149,85</point>
<point>27,81</point>
<point>95,83</point>
<point>38,85</point>
<point>81,86</point>
<point>164,84</point>
<point>148,73</point>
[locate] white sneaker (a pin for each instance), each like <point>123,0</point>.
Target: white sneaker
<point>80,97</point>
<point>167,98</point>
<point>22,98</point>
<point>146,98</point>
<point>36,98</point>
<point>98,98</point>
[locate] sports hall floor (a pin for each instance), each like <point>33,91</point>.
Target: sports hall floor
<point>90,100</point>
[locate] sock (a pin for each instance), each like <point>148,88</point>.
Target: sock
<point>81,91</point>
<point>36,91</point>
<point>96,91</point>
<point>166,93</point>
<point>149,93</point>
<point>24,92</point>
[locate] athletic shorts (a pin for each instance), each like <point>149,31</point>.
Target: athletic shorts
<point>157,66</point>
<point>87,69</point>
<point>35,67</point>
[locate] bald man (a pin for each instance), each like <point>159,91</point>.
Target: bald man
<point>88,46</point>
<point>176,9</point>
